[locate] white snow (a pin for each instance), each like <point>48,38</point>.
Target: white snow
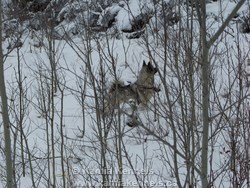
<point>145,152</point>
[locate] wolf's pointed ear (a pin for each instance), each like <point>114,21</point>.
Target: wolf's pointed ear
<point>144,63</point>
<point>150,65</point>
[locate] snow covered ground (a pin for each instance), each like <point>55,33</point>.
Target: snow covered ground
<point>54,114</point>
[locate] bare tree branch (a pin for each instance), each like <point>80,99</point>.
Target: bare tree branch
<point>225,23</point>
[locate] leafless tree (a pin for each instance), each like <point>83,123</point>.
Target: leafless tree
<point>5,114</point>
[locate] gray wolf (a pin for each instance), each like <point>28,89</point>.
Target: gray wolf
<point>140,91</point>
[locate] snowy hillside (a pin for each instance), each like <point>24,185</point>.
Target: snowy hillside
<point>60,61</point>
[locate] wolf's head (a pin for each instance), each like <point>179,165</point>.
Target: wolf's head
<point>146,75</point>
<point>149,68</point>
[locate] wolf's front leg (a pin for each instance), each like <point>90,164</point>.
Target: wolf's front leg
<point>133,118</point>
